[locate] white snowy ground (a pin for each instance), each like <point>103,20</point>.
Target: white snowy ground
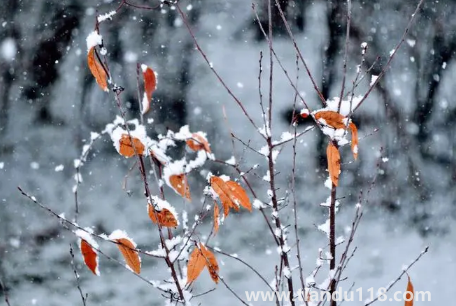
<point>384,244</point>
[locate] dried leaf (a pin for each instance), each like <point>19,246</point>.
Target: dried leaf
<point>231,194</point>
<point>150,84</point>
<point>216,218</point>
<point>211,263</point>
<point>127,248</point>
<point>198,142</point>
<point>354,142</point>
<point>409,294</point>
<point>165,217</point>
<point>90,257</point>
<point>126,148</point>
<point>239,195</point>
<point>333,157</point>
<point>97,70</point>
<point>180,184</point>
<point>331,118</point>
<point>195,265</point>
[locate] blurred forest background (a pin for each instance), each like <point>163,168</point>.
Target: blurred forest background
<point>49,103</point>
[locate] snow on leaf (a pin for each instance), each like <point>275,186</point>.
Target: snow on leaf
<point>333,157</point>
<point>97,70</point>
<point>122,140</point>
<point>93,39</point>
<point>128,249</point>
<point>150,84</point>
<point>180,185</point>
<point>165,216</point>
<point>127,149</point>
<point>198,142</point>
<point>87,245</point>
<point>331,118</point>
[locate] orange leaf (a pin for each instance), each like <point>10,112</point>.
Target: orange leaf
<point>97,69</point>
<point>195,265</point>
<point>222,191</point>
<point>126,148</point>
<point>127,248</point>
<point>211,263</point>
<point>216,218</point>
<point>333,163</point>
<point>331,118</point>
<point>150,84</point>
<point>354,143</point>
<point>90,257</point>
<point>180,184</point>
<point>409,294</point>
<point>198,142</point>
<point>165,217</point>
<point>239,195</point>
<point>231,194</point>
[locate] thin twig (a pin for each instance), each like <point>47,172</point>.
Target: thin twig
<point>287,26</point>
<point>404,271</point>
<point>76,275</point>
<point>388,64</point>
<point>5,292</point>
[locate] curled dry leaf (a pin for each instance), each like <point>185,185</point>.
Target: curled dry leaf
<point>211,263</point>
<point>180,184</point>
<point>331,118</point>
<point>150,84</point>
<point>333,157</point>
<point>409,294</point>
<point>126,148</point>
<point>90,257</point>
<point>127,248</point>
<point>198,142</point>
<point>97,70</point>
<point>231,194</point>
<point>201,257</point>
<point>165,217</point>
<point>216,218</point>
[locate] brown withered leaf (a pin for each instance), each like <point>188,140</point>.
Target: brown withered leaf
<point>198,142</point>
<point>97,69</point>
<point>195,265</point>
<point>409,293</point>
<point>127,248</point>
<point>90,257</point>
<point>180,184</point>
<point>333,157</point>
<point>211,263</point>
<point>165,217</point>
<point>126,148</point>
